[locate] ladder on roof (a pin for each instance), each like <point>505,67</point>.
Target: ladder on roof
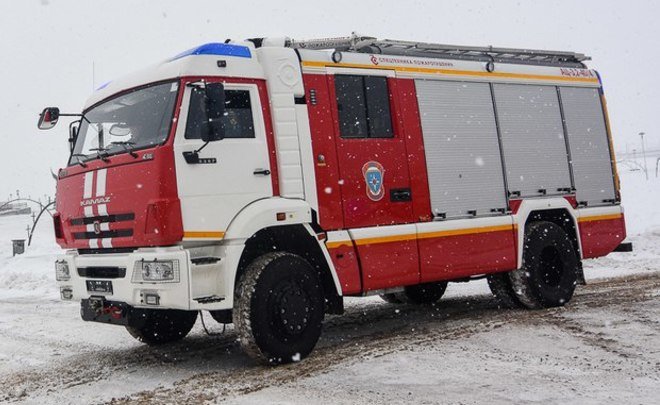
<point>365,44</point>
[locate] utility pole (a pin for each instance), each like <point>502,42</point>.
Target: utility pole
<point>646,171</point>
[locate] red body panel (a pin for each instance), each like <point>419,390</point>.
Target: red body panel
<point>359,209</point>
<point>457,256</point>
<point>514,206</point>
<point>601,237</point>
<point>326,168</point>
<point>387,265</point>
<point>412,129</point>
<point>571,200</point>
<point>347,266</point>
<point>133,186</point>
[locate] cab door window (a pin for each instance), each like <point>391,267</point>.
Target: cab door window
<point>237,121</point>
<point>363,105</point>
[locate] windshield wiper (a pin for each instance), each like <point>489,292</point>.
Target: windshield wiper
<point>78,156</point>
<point>128,146</point>
<point>101,153</point>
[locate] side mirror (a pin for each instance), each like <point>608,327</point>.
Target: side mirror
<point>215,111</point>
<point>73,133</point>
<point>48,118</point>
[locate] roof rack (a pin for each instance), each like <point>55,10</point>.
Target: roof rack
<point>365,44</point>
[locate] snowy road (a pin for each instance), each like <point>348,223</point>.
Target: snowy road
<point>603,347</point>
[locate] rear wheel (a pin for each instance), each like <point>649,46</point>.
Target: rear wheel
<point>393,298</point>
<point>550,267</point>
<point>427,293</point>
<point>279,308</point>
<point>158,326</point>
<point>501,287</point>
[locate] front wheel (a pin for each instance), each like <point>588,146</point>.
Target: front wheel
<point>158,326</point>
<point>279,308</point>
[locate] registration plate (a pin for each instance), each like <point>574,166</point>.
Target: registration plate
<point>99,286</point>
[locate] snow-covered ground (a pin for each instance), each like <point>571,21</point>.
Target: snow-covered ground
<point>603,347</point>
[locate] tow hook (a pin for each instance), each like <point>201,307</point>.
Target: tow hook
<point>96,305</point>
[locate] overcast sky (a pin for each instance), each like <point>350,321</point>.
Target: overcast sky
<point>53,52</point>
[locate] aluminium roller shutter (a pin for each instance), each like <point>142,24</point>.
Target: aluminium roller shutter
<point>462,151</point>
<point>533,142</point>
<point>589,145</point>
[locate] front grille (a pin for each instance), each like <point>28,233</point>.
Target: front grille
<point>103,218</point>
<point>115,233</point>
<point>102,272</point>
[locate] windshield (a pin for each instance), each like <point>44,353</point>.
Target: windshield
<point>135,120</point>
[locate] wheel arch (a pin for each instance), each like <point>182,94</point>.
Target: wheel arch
<point>556,210</point>
<point>299,239</point>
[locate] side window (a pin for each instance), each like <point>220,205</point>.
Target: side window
<point>363,104</point>
<point>237,121</point>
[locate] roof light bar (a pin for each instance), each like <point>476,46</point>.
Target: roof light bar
<point>217,49</point>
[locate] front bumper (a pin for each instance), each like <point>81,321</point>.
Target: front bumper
<point>98,309</point>
<point>195,282</point>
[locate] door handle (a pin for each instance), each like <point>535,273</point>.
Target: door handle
<point>263,172</point>
<point>192,158</point>
<point>400,195</point>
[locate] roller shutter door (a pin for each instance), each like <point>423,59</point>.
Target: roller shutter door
<point>533,142</point>
<point>462,151</point>
<point>589,145</point>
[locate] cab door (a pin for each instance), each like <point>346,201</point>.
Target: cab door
<point>375,182</point>
<point>374,176</point>
<point>232,172</point>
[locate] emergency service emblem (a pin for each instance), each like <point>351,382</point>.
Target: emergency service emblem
<point>373,173</point>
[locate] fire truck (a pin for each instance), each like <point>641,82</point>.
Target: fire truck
<point>265,180</point>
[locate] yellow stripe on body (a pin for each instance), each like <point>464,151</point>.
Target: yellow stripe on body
<point>600,217</point>
<point>385,239</point>
<point>203,234</point>
<point>336,244</point>
<point>424,235</point>
<point>468,231</point>
<point>454,72</point>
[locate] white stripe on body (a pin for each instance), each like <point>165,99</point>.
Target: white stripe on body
<point>101,176</point>
<point>87,187</point>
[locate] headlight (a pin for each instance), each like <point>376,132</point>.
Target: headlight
<point>156,271</point>
<point>62,271</point>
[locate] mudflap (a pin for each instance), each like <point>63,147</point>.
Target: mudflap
<point>98,309</point>
<point>580,276</point>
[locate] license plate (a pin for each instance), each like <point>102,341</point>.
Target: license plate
<point>99,286</point>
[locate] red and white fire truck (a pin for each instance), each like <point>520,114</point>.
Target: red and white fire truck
<point>264,180</point>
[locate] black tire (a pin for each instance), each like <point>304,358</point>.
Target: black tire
<point>222,316</point>
<point>392,298</point>
<point>279,308</point>
<point>159,326</point>
<point>500,286</point>
<point>420,294</point>
<point>550,267</point>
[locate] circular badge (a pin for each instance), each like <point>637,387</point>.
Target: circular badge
<point>374,174</point>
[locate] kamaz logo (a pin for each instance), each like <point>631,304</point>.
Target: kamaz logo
<point>92,201</point>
